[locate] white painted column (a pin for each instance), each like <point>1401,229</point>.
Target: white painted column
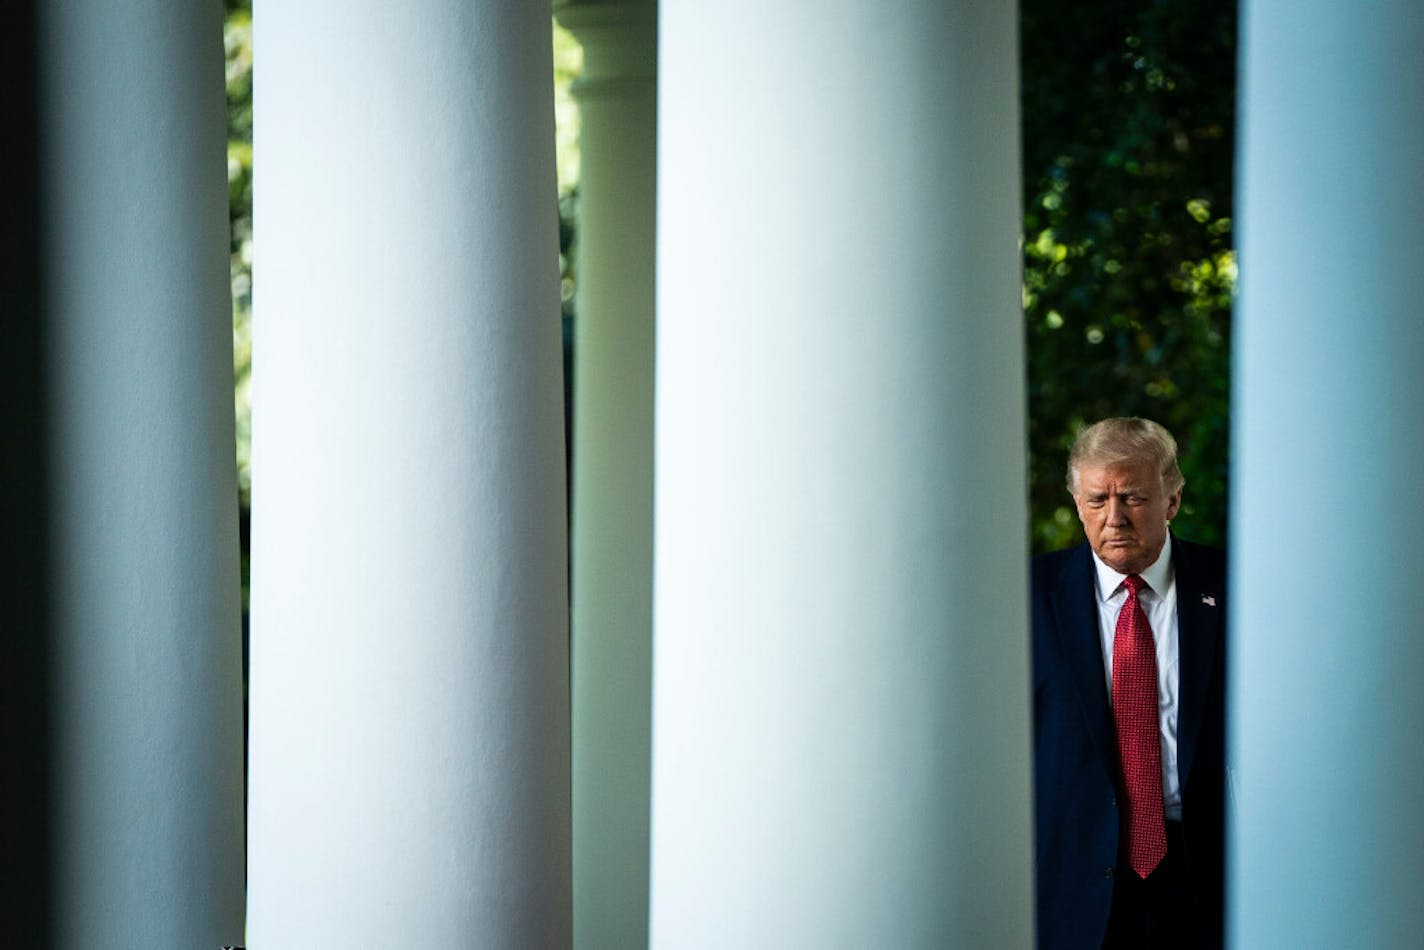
<point>409,694</point>
<point>841,676</point>
<point>1327,695</point>
<point>147,649</point>
<point>613,469</point>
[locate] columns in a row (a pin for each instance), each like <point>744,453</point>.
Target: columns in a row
<point>1327,699</point>
<point>409,737</point>
<point>146,649</point>
<point>841,701</point>
<point>612,525</point>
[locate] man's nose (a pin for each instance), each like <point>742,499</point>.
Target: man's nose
<point>1117,512</point>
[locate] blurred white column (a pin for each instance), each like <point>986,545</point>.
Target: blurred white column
<point>1327,696</point>
<point>613,469</point>
<point>841,675</point>
<point>148,650</point>
<point>409,696</point>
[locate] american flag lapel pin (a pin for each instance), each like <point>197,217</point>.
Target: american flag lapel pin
<point>1209,599</point>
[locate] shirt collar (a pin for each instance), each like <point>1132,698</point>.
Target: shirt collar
<point>1157,576</point>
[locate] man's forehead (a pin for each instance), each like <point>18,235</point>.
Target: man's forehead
<point>1119,474</point>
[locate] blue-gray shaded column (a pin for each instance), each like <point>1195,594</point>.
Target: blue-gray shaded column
<point>147,741</point>
<point>1327,678</point>
<point>409,691</point>
<point>841,733</point>
<point>612,536</point>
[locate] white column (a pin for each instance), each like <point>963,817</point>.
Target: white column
<point>1327,696</point>
<point>841,676</point>
<point>613,470</point>
<point>409,695</point>
<point>147,648</point>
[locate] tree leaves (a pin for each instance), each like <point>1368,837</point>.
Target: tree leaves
<point>1128,113</point>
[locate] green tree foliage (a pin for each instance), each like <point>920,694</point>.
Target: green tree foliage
<point>237,44</point>
<point>1128,263</point>
<point>568,66</point>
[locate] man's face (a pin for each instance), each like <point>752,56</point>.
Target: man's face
<point>1125,510</point>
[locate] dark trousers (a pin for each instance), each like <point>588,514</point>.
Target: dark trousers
<point>1160,912</point>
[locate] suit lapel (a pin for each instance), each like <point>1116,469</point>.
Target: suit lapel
<point>1200,608</point>
<point>1076,623</point>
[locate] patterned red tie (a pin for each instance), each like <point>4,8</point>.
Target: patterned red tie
<point>1134,694</point>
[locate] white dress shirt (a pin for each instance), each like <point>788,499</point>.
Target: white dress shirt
<point>1159,603</point>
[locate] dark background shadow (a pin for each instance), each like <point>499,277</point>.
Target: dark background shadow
<point>24,610</point>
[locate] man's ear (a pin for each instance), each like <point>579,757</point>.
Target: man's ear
<point>1173,504</point>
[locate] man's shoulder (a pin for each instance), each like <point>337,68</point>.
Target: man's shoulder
<point>1060,557</point>
<point>1043,568</point>
<point>1200,558</point>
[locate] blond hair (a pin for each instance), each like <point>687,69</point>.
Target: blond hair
<point>1124,441</point>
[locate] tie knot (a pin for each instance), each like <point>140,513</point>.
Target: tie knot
<point>1133,583</point>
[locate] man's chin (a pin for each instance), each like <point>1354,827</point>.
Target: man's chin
<point>1125,559</point>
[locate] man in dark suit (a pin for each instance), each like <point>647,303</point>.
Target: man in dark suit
<point>1129,680</point>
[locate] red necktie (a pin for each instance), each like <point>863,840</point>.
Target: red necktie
<point>1134,694</point>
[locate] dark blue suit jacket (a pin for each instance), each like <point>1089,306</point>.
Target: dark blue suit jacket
<point>1075,749</point>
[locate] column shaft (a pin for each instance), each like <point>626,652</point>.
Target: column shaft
<point>148,721</point>
<point>841,698</point>
<point>1328,437</point>
<point>613,470</point>
<point>410,738</point>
